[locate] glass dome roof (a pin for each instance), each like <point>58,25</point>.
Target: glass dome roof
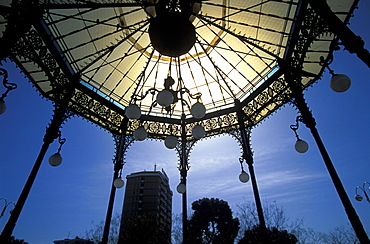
<point>104,49</point>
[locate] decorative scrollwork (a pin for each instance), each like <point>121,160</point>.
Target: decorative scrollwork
<point>98,113</point>
<point>122,143</point>
<point>237,135</point>
<point>183,150</point>
<point>267,102</point>
<point>312,28</point>
<point>32,49</point>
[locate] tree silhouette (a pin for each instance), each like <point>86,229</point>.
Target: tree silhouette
<point>13,240</point>
<point>212,222</point>
<point>256,235</point>
<point>95,234</point>
<point>139,230</point>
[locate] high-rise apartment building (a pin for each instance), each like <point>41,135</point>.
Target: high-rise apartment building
<point>147,201</point>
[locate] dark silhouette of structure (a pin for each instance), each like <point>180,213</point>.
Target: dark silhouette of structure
<point>148,201</point>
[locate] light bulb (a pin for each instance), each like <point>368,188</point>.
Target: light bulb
<point>181,188</point>
<point>359,198</point>
<point>170,142</point>
<point>55,159</point>
<point>140,134</point>
<point>340,83</point>
<point>244,177</point>
<point>2,106</point>
<point>164,98</point>
<point>118,183</point>
<point>198,110</point>
<point>198,132</point>
<point>133,111</point>
<point>301,146</point>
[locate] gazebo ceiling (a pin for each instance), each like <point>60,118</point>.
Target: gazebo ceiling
<point>115,52</point>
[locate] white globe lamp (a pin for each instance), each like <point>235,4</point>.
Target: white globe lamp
<point>244,177</point>
<point>340,83</point>
<point>55,159</point>
<point>133,111</point>
<point>359,198</point>
<point>170,142</point>
<point>118,183</point>
<point>198,110</point>
<point>2,106</point>
<point>181,188</point>
<point>140,134</point>
<point>198,132</point>
<point>301,146</point>
<point>164,98</point>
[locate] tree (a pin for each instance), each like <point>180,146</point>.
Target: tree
<point>13,240</point>
<point>139,230</point>
<point>212,222</point>
<point>341,235</point>
<point>95,234</point>
<point>176,233</point>
<point>257,235</point>
<point>275,217</point>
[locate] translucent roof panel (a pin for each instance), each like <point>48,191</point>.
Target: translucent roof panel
<point>237,44</point>
<point>240,50</point>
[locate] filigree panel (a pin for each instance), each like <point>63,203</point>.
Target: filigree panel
<point>96,112</point>
<point>266,102</point>
<point>312,29</point>
<point>47,76</point>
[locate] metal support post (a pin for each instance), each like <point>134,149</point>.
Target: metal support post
<point>184,210</point>
<point>118,165</point>
<point>183,173</point>
<point>60,114</point>
<point>247,155</point>
<point>310,123</point>
<point>183,150</point>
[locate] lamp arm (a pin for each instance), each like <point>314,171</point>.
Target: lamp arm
<point>8,85</point>
<point>241,159</point>
<point>193,96</point>
<point>296,126</point>
<point>138,97</point>
<point>3,211</point>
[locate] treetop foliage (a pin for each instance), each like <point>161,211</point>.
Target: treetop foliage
<point>212,222</point>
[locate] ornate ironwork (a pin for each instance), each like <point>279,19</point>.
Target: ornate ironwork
<point>237,135</point>
<point>98,113</point>
<point>311,30</point>
<point>295,126</point>
<point>32,49</point>
<point>92,106</point>
<point>266,102</point>
<point>183,150</point>
<point>122,148</point>
<point>8,85</point>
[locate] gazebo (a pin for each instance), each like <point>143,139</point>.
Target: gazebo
<point>177,71</point>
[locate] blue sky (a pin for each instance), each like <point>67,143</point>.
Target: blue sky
<point>65,200</point>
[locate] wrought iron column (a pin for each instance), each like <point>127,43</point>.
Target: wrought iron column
<point>183,150</point>
<point>183,172</point>
<point>122,142</point>
<point>310,123</point>
<point>59,116</point>
<point>248,156</point>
